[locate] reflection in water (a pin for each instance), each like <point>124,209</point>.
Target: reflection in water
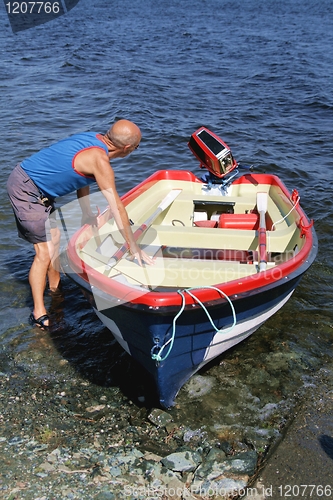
<point>92,351</point>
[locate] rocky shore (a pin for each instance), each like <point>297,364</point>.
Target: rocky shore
<point>71,430</point>
<point>54,446</point>
<point>98,447</point>
<point>72,439</point>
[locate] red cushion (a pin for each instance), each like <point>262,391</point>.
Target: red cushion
<point>239,221</point>
<point>205,223</point>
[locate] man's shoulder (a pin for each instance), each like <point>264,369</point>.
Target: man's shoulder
<point>86,141</point>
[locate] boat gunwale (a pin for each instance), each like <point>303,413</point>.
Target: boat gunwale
<point>154,299</point>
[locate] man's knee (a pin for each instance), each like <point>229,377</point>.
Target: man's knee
<point>55,236</point>
<point>43,252</point>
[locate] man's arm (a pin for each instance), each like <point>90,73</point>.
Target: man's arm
<point>121,217</point>
<point>88,217</point>
<point>101,169</point>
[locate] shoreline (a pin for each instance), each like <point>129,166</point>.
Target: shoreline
<point>73,439</point>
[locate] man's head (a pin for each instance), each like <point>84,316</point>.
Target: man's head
<point>124,136</point>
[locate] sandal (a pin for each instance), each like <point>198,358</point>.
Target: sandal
<point>39,322</point>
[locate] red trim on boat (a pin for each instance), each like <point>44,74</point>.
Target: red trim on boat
<point>232,288</point>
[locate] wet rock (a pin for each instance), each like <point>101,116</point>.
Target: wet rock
<point>215,455</point>
<point>210,469</point>
<point>260,439</point>
<point>198,386</point>
<point>124,461</point>
<point>243,463</point>
<point>35,446</point>
<point>149,469</point>
<point>217,465</point>
<point>159,417</point>
<point>226,447</point>
<point>197,435</point>
<point>159,448</point>
<point>183,461</point>
<point>175,431</point>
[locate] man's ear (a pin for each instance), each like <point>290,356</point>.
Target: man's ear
<point>128,148</point>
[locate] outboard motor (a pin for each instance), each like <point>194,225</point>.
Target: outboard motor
<point>212,152</point>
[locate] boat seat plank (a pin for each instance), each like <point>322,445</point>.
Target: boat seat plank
<point>168,273</point>
<point>201,237</point>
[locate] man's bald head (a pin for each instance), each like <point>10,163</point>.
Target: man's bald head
<point>124,133</point>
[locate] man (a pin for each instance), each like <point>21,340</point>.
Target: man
<point>69,165</point>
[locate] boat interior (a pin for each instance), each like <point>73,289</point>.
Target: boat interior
<point>204,237</point>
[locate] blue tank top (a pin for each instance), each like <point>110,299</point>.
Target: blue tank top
<point>52,168</point>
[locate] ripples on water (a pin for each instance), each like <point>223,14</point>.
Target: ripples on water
<point>260,76</point>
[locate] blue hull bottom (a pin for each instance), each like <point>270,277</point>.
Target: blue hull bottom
<point>143,333</point>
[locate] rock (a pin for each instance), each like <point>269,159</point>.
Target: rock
<point>39,447</point>
<point>47,467</point>
<point>243,463</point>
<point>196,434</point>
<point>52,458</point>
<point>124,461</point>
<point>198,385</point>
<point>159,417</point>
<point>183,461</point>
<point>210,470</point>
<point>215,455</point>
<point>16,441</point>
<point>115,471</point>
<point>148,469</point>
<point>260,439</point>
<point>216,465</point>
<point>166,484</point>
<point>96,408</point>
<point>226,447</point>
<point>152,456</point>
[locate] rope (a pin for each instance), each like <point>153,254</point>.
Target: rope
<point>281,220</point>
<point>157,357</point>
<point>206,311</point>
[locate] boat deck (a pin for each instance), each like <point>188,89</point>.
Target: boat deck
<point>187,255</point>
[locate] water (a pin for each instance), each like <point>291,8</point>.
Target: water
<point>259,74</point>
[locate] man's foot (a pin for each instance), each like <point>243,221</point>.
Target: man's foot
<point>40,322</point>
<point>56,290</point>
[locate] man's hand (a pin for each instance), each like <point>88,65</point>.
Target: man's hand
<point>140,255</point>
<point>90,218</point>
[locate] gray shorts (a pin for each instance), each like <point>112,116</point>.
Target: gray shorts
<point>32,216</point>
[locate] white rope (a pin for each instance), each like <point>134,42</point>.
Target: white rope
<point>206,311</point>
<point>157,357</point>
<point>281,220</point>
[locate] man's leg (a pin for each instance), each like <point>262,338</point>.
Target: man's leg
<point>53,273</point>
<point>37,277</point>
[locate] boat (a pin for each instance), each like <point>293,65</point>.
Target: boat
<point>229,251</point>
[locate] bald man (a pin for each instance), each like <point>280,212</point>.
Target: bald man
<point>69,165</point>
